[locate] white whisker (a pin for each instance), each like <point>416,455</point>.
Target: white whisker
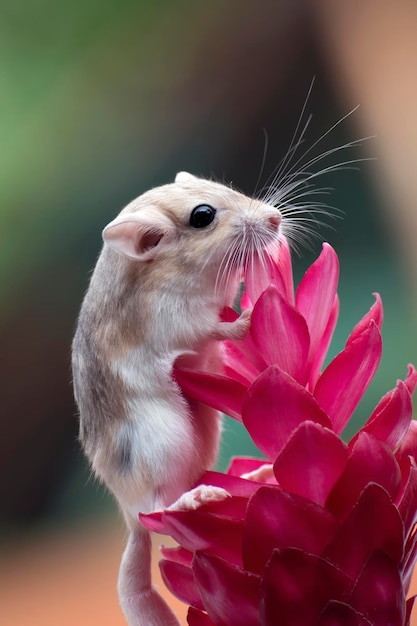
<point>295,142</point>
<point>323,155</point>
<point>292,188</point>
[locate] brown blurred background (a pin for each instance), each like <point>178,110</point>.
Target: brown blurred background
<point>98,102</point>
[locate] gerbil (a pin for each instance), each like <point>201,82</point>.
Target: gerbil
<point>171,261</point>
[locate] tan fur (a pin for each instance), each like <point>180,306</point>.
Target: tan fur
<point>155,295</point>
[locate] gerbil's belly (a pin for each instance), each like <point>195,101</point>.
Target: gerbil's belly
<point>159,453</point>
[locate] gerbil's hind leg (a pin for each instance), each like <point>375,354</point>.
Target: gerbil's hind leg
<point>141,604</point>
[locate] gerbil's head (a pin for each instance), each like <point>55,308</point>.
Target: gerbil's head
<point>194,233</point>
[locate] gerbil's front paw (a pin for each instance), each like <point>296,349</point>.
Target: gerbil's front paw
<point>203,494</point>
<point>234,330</point>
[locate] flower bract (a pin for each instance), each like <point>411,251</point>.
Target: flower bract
<point>318,531</point>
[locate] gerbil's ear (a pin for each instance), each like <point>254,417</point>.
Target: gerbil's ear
<point>185,177</point>
<point>138,237</point>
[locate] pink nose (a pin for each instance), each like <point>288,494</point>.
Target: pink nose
<point>275,220</point>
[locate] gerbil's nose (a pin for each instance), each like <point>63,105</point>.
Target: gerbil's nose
<point>275,220</point>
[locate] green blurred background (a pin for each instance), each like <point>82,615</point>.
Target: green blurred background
<point>101,100</point>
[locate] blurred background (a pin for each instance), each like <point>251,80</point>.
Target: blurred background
<point>98,102</point>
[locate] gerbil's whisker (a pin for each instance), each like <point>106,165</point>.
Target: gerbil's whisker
<point>228,263</point>
<point>293,169</point>
<point>295,142</point>
<point>263,161</point>
<point>292,187</point>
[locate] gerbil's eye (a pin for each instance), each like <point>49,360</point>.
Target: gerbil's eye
<point>202,215</point>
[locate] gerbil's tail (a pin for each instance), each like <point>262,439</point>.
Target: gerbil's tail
<point>141,604</point>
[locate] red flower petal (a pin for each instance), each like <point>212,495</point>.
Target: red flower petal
<point>370,461</point>
<point>316,296</point>
<point>320,354</point>
<point>198,618</point>
<point>274,406</point>
<point>235,485</point>
<point>245,301</point>
<point>407,503</point>
<point>379,593</point>
<point>311,462</point>
<point>411,380</point>
<point>202,530</point>
<point>242,465</point>
<point>262,273</point>
<point>407,567</point>
<point>237,365</point>
<point>235,508</point>
<point>373,524</point>
<point>219,392</point>
<point>375,314</point>
<point>408,608</point>
<point>276,519</point>
<point>341,614</point>
<point>227,314</point>
<point>285,268</point>
<point>280,334</point>
<point>408,445</point>
<point>250,353</point>
<point>180,581</point>
<point>343,383</point>
<point>178,555</point>
<point>153,521</point>
<point>297,586</point>
<point>229,594</point>
<point>391,418</point>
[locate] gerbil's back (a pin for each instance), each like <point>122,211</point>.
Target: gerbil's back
<point>101,336</point>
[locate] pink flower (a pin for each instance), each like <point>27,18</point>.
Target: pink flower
<point>322,532</point>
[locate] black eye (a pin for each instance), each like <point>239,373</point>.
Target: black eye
<point>202,215</point>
